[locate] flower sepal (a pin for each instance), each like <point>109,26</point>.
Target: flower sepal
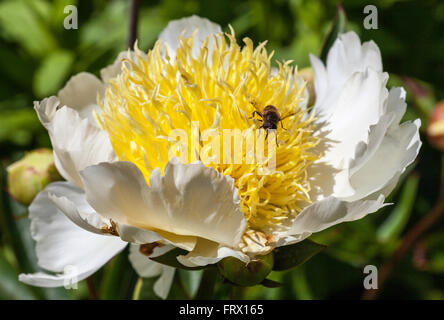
<point>293,255</point>
<point>170,259</point>
<point>246,274</point>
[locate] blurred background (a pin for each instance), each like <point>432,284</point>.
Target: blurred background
<point>37,56</point>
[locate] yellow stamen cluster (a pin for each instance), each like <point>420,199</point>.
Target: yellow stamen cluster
<point>219,88</point>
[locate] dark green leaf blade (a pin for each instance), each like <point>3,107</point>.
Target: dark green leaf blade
<point>287,257</point>
<point>170,259</point>
<point>10,286</point>
<point>119,279</point>
<point>190,280</point>
<point>393,226</point>
<point>338,27</point>
<point>268,283</point>
<point>144,289</point>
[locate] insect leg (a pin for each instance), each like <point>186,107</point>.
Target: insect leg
<point>256,112</point>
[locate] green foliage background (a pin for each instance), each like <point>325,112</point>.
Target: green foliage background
<point>37,56</point>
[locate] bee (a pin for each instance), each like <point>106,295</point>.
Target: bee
<point>270,118</point>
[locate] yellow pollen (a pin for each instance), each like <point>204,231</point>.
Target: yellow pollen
<point>219,88</point>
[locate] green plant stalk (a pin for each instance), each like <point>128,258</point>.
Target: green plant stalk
<point>237,293</point>
<point>395,223</point>
<point>206,287</point>
<point>119,279</point>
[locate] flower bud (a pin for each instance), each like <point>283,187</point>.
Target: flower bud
<point>249,274</point>
<point>435,128</point>
<point>28,176</point>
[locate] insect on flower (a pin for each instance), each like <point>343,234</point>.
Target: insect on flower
<point>270,117</point>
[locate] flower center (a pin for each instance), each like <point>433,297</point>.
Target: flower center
<point>214,91</point>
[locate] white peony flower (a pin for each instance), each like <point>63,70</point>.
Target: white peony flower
<point>335,162</point>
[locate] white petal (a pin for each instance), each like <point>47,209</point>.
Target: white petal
<point>41,279</point>
<point>114,69</point>
<point>147,268</point>
<point>137,235</point>
<point>346,57</point>
<point>144,266</point>
<point>163,284</point>
<point>360,122</point>
<point>189,200</point>
<point>187,26</point>
<point>71,200</point>
<point>46,110</point>
<point>80,93</point>
<point>375,137</point>
<point>77,144</point>
<point>397,150</point>
<point>358,106</point>
<point>330,211</point>
<point>209,252</point>
<point>320,77</point>
<point>62,245</point>
<point>350,92</point>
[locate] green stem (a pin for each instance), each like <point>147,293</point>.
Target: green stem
<point>206,287</point>
<point>237,293</point>
<point>92,288</point>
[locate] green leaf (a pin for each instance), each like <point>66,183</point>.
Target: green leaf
<point>144,289</point>
<point>18,126</point>
<point>10,287</point>
<point>178,290</point>
<point>105,30</point>
<point>52,72</point>
<point>433,253</point>
<point>21,23</point>
<point>170,259</point>
<point>268,283</point>
<point>206,287</point>
<point>338,27</point>
<point>436,263</point>
<point>393,226</point>
<point>14,67</point>
<point>290,256</point>
<point>190,280</point>
<point>119,279</point>
<point>300,285</point>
